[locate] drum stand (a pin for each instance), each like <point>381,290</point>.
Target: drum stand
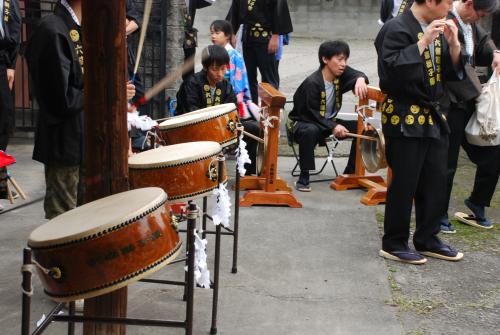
<point>71,318</point>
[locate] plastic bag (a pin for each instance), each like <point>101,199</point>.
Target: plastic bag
<point>483,128</point>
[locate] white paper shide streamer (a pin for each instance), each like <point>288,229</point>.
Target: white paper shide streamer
<point>201,272</point>
<point>222,207</point>
<point>242,157</point>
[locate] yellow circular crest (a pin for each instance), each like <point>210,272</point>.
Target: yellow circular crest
<point>218,91</point>
<point>395,119</point>
<point>409,119</point>
<point>420,35</point>
<point>415,109</point>
<point>431,122</point>
<point>74,35</point>
<point>389,109</point>
<point>323,94</point>
<point>206,87</point>
<point>421,120</point>
<point>264,34</point>
<point>256,34</point>
<point>384,119</point>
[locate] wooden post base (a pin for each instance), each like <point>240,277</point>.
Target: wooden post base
<point>257,183</point>
<point>377,187</point>
<point>278,198</point>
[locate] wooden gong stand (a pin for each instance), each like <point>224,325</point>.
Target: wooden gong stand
<point>267,188</point>
<point>376,185</point>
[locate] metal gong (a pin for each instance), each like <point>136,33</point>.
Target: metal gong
<point>373,152</point>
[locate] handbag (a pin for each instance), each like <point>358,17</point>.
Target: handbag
<point>483,128</point>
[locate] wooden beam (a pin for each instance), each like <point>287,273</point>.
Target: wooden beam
<point>105,136</point>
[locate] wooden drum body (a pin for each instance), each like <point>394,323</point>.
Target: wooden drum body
<point>105,244</point>
<point>185,171</point>
<point>217,124</point>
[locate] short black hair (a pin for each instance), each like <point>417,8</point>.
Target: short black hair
<point>224,26</point>
<point>214,55</point>
<point>489,6</point>
<point>329,49</point>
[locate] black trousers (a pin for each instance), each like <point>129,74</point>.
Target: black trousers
<point>308,135</point>
<point>6,109</point>
<point>418,174</point>
<point>486,159</point>
<point>253,128</point>
<point>256,56</point>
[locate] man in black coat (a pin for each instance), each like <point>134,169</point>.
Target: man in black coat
<point>263,22</point>
<point>10,32</point>
<point>317,102</point>
<point>418,53</point>
<point>477,50</point>
<point>55,61</point>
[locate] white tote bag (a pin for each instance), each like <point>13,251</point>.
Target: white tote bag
<point>483,128</point>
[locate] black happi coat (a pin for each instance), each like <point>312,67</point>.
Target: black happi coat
<point>194,93</point>
<point>11,23</point>
<point>387,6</point>
<point>416,103</point>
<point>309,101</point>
<point>262,18</point>
<point>55,60</point>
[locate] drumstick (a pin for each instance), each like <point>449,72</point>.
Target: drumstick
<point>166,81</point>
<point>252,136</point>
<point>370,138</point>
<point>145,20</point>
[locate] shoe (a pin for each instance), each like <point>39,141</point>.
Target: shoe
<point>302,188</point>
<point>404,256</point>
<point>444,252</point>
<point>445,226</point>
<point>478,220</point>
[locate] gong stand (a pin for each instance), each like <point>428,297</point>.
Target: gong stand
<point>375,184</point>
<point>71,318</point>
<point>267,188</point>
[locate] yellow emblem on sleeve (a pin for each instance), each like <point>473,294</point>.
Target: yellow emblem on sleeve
<point>74,35</point>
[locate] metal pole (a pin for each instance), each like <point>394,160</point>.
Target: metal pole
<point>204,218</point>
<point>27,291</point>
<point>192,215</point>
<point>71,324</point>
<point>215,301</point>
<point>236,213</point>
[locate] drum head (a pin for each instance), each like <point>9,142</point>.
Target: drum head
<point>97,216</point>
<point>197,116</point>
<point>173,155</point>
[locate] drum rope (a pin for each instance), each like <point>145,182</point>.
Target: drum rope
<point>267,120</point>
<point>335,142</point>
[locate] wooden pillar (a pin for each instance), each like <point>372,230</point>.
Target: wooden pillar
<point>106,140</point>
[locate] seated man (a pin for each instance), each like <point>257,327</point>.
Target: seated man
<point>317,102</point>
<point>209,88</point>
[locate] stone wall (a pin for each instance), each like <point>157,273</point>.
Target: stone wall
<point>349,19</point>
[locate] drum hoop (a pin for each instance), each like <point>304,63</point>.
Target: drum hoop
<point>166,165</point>
<point>104,231</point>
<point>192,195</point>
<point>184,125</point>
<point>157,264</point>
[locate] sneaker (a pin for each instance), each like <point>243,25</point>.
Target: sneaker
<point>404,256</point>
<point>445,226</point>
<point>478,219</point>
<point>302,187</point>
<point>444,252</point>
